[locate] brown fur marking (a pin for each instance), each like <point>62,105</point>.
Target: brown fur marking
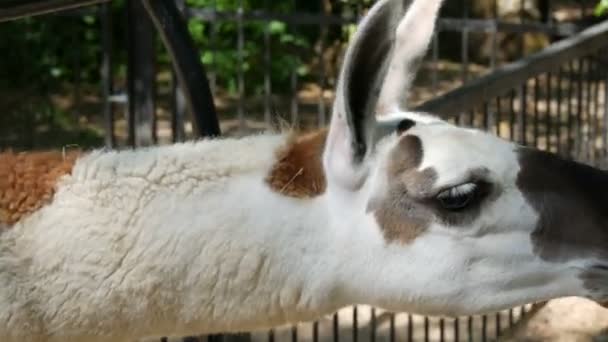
<point>299,168</point>
<point>401,217</point>
<point>27,181</point>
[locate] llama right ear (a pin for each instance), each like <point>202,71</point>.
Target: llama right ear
<point>364,88</point>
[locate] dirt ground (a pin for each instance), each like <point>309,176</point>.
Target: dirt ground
<point>568,319</point>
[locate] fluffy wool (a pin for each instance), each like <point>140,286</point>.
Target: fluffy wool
<point>178,239</point>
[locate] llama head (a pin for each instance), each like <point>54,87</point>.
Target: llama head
<point>450,220</point>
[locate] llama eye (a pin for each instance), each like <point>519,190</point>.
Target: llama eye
<point>458,197</point>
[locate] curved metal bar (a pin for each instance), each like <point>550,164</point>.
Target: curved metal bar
<point>189,70</point>
<point>16,9</point>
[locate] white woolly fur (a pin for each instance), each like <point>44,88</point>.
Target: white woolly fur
<point>179,239</point>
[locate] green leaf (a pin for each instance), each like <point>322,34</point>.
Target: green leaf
<point>601,8</point>
<point>276,27</point>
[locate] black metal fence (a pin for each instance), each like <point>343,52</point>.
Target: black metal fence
<point>159,114</point>
<point>305,100</point>
<point>556,100</point>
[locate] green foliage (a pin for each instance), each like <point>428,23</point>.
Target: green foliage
<point>220,51</point>
<point>601,8</point>
<point>39,52</point>
<point>47,51</point>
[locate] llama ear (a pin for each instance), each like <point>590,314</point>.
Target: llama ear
<point>413,36</point>
<point>364,86</point>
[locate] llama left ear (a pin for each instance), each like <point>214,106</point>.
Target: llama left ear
<point>412,38</point>
<point>377,71</point>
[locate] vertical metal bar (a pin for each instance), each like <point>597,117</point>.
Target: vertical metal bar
<point>471,114</point>
<point>213,47</point>
<point>558,116</point>
<point>486,124</point>
<point>178,112</point>
<point>605,128</point>
<point>142,76</point>
<point>391,328</point>
<point>494,35</point>
<point>523,113</point>
<point>470,328</point>
<point>546,14</point>
<point>512,116</point>
<point>315,331</point>
<point>322,35</point>
<point>336,327</point>
<point>522,11</point>
<point>426,329</point>
<point>497,117</point>
<point>548,111</point>
<point>484,328</point>
<point>410,328</point>
<point>597,109</point>
<point>241,61</point>
<point>536,110</point>
<point>107,87</point>
<point>579,110</point>
<point>441,330</point>
<point>294,89</point>
<point>77,77</point>
<point>464,48</point>
<point>355,324</point>
<point>372,336</point>
<point>587,105</point>
<point>456,329</point>
<point>294,333</point>
<point>511,318</point>
<point>569,113</point>
<point>498,327</point>
<point>178,105</point>
<point>593,105</point>
<point>295,115</point>
<point>435,56</point>
<point>267,71</point>
<point>271,335</point>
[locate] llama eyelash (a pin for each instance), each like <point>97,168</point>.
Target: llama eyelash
<point>457,191</point>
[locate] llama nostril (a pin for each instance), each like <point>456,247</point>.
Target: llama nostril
<point>404,125</point>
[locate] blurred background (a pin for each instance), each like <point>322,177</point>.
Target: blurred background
<point>266,61</point>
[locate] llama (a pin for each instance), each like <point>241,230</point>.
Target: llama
<point>231,235</point>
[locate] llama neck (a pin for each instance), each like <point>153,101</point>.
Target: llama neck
<point>572,203</point>
<point>272,260</point>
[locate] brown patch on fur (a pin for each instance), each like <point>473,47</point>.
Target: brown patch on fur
<point>401,217</point>
<point>298,171</point>
<point>27,181</point>
<point>410,204</point>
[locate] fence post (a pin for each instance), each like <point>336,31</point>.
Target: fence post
<point>106,72</point>
<point>173,31</point>
<point>141,76</point>
<point>179,106</point>
<point>605,128</point>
